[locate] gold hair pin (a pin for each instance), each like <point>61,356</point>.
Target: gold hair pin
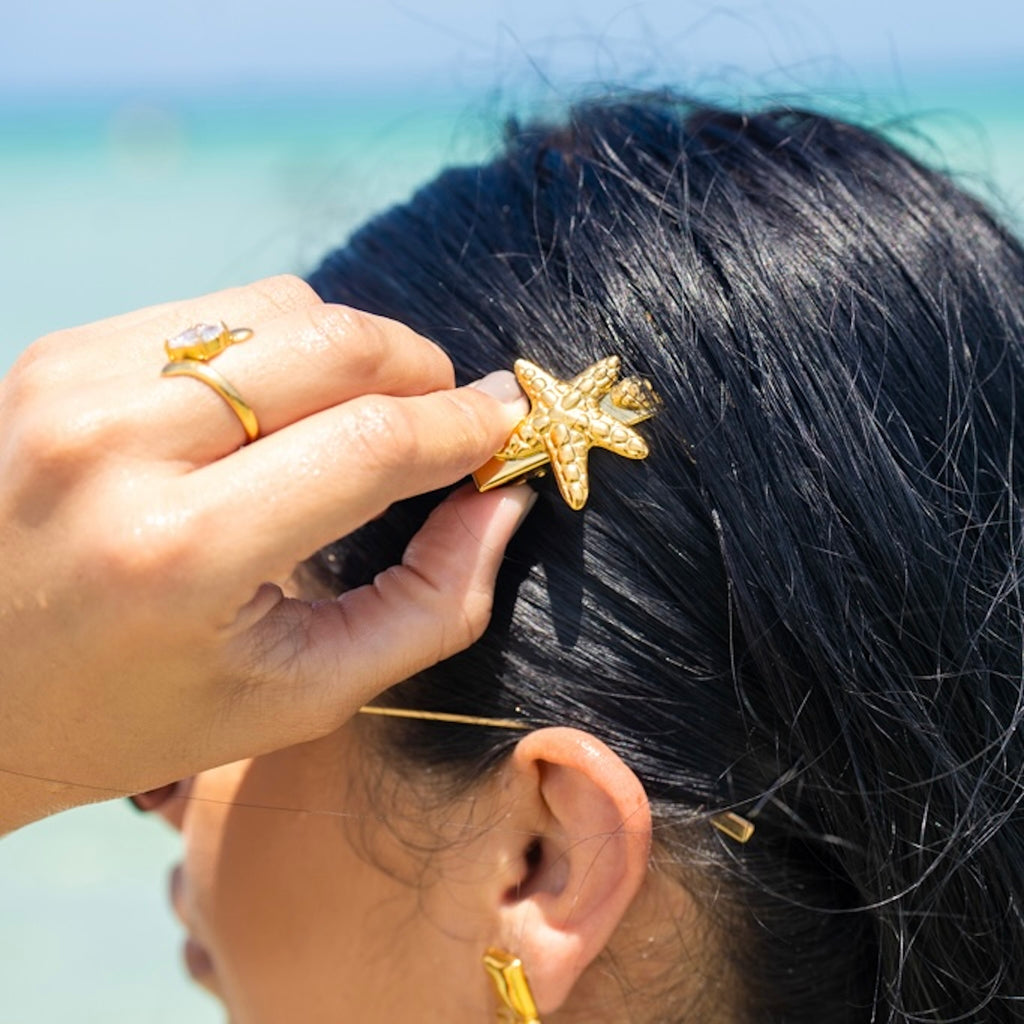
<point>567,418</point>
<point>727,822</point>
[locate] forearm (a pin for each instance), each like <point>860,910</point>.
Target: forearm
<point>24,799</point>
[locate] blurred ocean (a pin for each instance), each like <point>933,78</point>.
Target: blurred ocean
<point>111,204</point>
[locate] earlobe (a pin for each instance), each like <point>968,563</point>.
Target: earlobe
<point>584,863</point>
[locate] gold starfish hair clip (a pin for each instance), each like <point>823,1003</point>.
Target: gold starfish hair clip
<point>567,418</point>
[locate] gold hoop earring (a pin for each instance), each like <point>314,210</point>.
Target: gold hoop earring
<point>512,988</point>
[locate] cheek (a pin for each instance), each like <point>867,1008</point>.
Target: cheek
<point>205,825</point>
<point>299,925</point>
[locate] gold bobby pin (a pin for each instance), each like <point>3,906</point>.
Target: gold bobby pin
<point>444,716</point>
<point>567,418</point>
<point>727,822</point>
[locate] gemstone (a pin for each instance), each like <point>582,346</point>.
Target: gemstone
<point>201,341</point>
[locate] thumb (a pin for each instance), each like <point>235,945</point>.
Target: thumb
<point>320,662</point>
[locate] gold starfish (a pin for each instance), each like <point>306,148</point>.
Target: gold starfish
<point>566,420</point>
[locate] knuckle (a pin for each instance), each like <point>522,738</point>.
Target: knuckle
<point>23,389</point>
<point>463,624</point>
<point>475,616</point>
<point>453,618</point>
<point>376,341</point>
<point>355,334</point>
<point>36,373</point>
<point>383,434</point>
<point>37,439</point>
<point>50,345</point>
<point>286,291</point>
<point>51,441</point>
<point>148,549</point>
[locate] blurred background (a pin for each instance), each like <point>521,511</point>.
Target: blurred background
<point>150,152</point>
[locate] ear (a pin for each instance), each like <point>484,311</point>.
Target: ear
<point>579,853</point>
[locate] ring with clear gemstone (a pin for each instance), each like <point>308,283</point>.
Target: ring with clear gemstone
<point>204,342</point>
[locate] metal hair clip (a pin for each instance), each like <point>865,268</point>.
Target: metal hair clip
<point>728,823</point>
<point>566,420</point>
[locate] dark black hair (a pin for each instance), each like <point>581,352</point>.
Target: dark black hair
<point>806,604</point>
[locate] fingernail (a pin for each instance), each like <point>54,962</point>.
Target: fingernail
<point>502,385</point>
<point>519,499</point>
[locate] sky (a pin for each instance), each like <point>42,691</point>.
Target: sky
<point>62,46</point>
<point>122,121</point>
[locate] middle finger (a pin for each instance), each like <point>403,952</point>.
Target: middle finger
<point>292,367</point>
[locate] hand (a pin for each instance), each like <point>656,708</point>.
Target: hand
<point>144,631</point>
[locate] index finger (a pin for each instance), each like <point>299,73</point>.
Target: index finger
<point>290,493</point>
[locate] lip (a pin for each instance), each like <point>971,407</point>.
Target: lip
<point>197,961</point>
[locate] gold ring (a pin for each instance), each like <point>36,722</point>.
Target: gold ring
<point>208,375</point>
<point>190,353</point>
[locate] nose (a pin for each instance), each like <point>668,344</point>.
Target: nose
<point>168,801</point>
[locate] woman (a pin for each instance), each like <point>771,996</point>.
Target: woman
<point>801,613</point>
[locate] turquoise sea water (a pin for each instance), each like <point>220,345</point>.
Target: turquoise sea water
<point>112,204</point>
